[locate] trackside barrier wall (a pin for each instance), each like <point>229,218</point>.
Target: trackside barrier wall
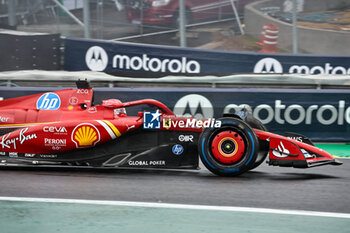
<point>142,60</point>
<point>322,115</point>
<point>25,51</point>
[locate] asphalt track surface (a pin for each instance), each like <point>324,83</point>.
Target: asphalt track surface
<point>316,189</point>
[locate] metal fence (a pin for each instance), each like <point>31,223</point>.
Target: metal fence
<point>210,24</point>
<point>124,20</point>
<point>26,12</point>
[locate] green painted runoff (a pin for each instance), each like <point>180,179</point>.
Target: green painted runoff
<point>340,150</point>
<point>19,217</point>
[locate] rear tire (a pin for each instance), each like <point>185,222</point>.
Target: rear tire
<point>229,150</point>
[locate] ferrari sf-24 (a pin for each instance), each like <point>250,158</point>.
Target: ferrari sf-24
<point>64,128</point>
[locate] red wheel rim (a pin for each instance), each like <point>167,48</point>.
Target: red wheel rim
<point>228,147</point>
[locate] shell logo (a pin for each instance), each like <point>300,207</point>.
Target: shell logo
<point>85,135</point>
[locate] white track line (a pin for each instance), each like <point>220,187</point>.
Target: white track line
<point>180,206</point>
<point>340,157</point>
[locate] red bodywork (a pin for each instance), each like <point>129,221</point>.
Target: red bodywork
<point>75,124</point>
<point>66,120</point>
<point>303,155</point>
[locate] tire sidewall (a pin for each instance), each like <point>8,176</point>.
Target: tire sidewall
<point>247,160</point>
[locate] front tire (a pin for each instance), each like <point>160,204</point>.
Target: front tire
<point>229,150</point>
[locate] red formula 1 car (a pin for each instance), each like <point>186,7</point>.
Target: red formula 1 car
<point>64,128</point>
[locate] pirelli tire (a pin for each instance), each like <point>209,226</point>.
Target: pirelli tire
<point>229,150</point>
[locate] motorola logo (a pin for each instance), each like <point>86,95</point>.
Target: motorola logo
<point>194,105</point>
<point>271,65</point>
<point>96,58</point>
<point>268,65</point>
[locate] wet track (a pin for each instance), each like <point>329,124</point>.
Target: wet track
<point>317,189</point>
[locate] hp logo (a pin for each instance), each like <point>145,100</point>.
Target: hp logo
<point>48,101</point>
<point>178,149</point>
